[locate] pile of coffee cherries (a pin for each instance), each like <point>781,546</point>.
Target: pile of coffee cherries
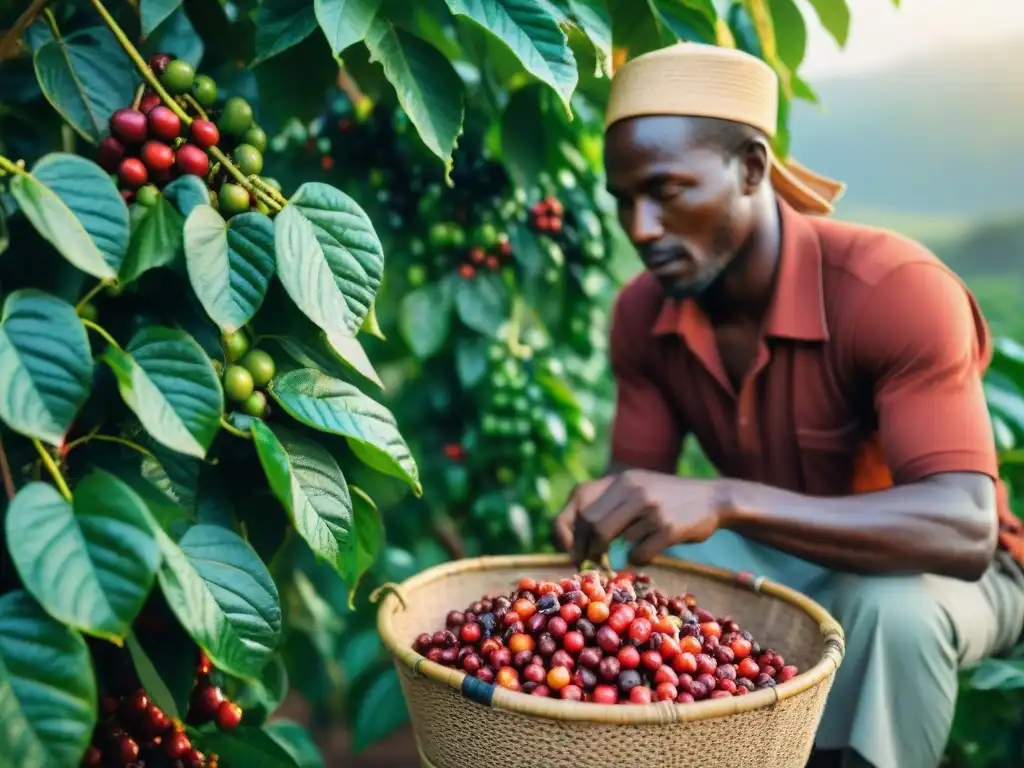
<point>603,638</point>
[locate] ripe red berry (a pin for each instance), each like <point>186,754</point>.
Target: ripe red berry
<point>164,124</point>
<point>195,759</point>
<point>535,673</point>
<point>127,750</point>
<point>110,153</point>
<point>206,701</point>
<point>229,715</point>
<point>684,698</point>
<point>466,271</point>
<point>205,133</point>
<point>706,665</point>
<point>190,159</point>
<point>629,657</point>
<point>557,626</point>
<point>128,195</point>
<point>741,647</point>
<point>748,668</point>
<point>470,633</point>
<point>605,694</point>
<point>148,102</point>
<point>129,125</point>
<point>571,693</point>
<point>132,173</point>
<point>788,672</point>
<point>157,156</point>
<point>651,660</point>
<point>640,694</point>
<point>93,758</point>
<point>666,692</point>
<point>640,630</point>
<point>608,639</point>
<point>570,612</point>
<point>156,721</point>
<point>177,745</point>
<point>573,642</point>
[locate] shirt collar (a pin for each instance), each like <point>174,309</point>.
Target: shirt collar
<point>797,309</point>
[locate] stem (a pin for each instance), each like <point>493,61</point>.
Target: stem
<point>269,189</point>
<point>5,470</point>
<point>195,105</point>
<point>91,294</point>
<point>9,167</point>
<point>264,197</point>
<point>139,92</point>
<point>9,42</point>
<point>234,430</point>
<point>157,86</point>
<point>108,439</point>
<point>101,331</point>
<point>51,21</point>
<point>53,469</point>
<point>347,83</point>
<point>514,324</point>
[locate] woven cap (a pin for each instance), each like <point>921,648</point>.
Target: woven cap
<point>697,80</point>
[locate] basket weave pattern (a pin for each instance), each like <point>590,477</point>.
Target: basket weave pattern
<point>773,728</point>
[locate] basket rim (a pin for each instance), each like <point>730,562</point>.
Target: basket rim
<point>656,713</point>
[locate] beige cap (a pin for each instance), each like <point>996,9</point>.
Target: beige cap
<point>694,79</point>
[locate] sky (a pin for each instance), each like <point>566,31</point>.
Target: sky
<point>881,34</point>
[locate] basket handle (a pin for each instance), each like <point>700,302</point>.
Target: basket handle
<point>389,586</point>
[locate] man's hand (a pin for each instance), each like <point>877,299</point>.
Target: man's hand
<point>652,510</point>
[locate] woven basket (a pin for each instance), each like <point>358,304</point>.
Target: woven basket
<point>460,722</point>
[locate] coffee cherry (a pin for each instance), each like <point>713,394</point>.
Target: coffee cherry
<point>260,365</point>
<point>111,151</point>
<point>127,750</point>
<point>177,745</point>
<point>204,133</point>
<point>233,200</point>
<point>156,722</point>
<point>590,657</point>
<point>237,383</point>
<point>195,759</point>
<point>164,124</point>
<point>236,344</point>
<point>788,672</point>
<point>92,758</point>
<point>629,657</point>
<point>229,715</point>
<point>236,118</point>
<point>148,195</point>
<point>748,668</point>
<point>206,701</point>
<point>558,678</point>
<point>608,639</point>
<point>248,159</point>
<point>157,156</point>
<point>129,125</point>
<point>573,642</point>
<point>255,405</point>
<point>190,159</point>
<point>132,173</point>
<point>204,90</point>
<point>609,669</point>
<point>255,137</point>
<point>629,679</point>
<point>148,103</point>
<point>159,62</point>
<point>178,77</point>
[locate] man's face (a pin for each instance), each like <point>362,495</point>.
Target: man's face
<point>681,203</point>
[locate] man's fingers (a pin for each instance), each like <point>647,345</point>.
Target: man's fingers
<point>640,528</point>
<point>562,528</point>
<point>651,547</point>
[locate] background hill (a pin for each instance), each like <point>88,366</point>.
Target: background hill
<point>934,148</point>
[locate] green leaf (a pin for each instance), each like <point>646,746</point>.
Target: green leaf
<point>687,21</point>
<point>296,741</point>
<point>176,35</point>
<point>482,303</point>
<point>223,596</point>
<point>340,408</point>
<point>75,206</point>
<point>230,264</point>
<point>153,12</point>
<point>156,241</point>
<point>261,699</point>
<point>424,317</point>
<point>835,18</point>
<point>532,34</point>
<point>369,540</point>
<point>593,19</point>
<point>790,32</point>
<point>997,674</point>
<point>167,380</point>
<point>310,486</point>
<point>329,257</point>
<point>90,565</point>
<point>186,192</point>
<point>45,365</point>
<point>428,87</point>
<point>5,238</point>
<point>86,76</point>
<point>345,22</point>
<point>532,126</point>
<point>350,351</point>
<point>150,678</point>
<point>361,653</point>
<point>47,687</point>
<point>251,747</point>
<point>280,24</point>
<point>381,711</point>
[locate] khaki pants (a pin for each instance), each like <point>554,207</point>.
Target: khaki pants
<point>906,636</point>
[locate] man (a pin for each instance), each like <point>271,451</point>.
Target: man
<point>831,372</point>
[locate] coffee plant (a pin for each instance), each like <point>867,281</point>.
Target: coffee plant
<point>222,422</point>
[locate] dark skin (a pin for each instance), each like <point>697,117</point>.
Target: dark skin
<point>705,222</point>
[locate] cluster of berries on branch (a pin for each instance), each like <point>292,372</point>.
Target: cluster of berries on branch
<point>247,374</point>
<point>607,638</point>
<point>150,145</point>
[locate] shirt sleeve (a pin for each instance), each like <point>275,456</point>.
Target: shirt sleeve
<point>923,342</point>
<point>646,430</point>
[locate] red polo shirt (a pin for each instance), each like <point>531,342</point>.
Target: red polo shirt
<point>868,373</point>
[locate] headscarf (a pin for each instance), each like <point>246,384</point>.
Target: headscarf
<point>697,80</point>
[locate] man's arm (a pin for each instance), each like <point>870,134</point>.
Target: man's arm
<point>919,342</point>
